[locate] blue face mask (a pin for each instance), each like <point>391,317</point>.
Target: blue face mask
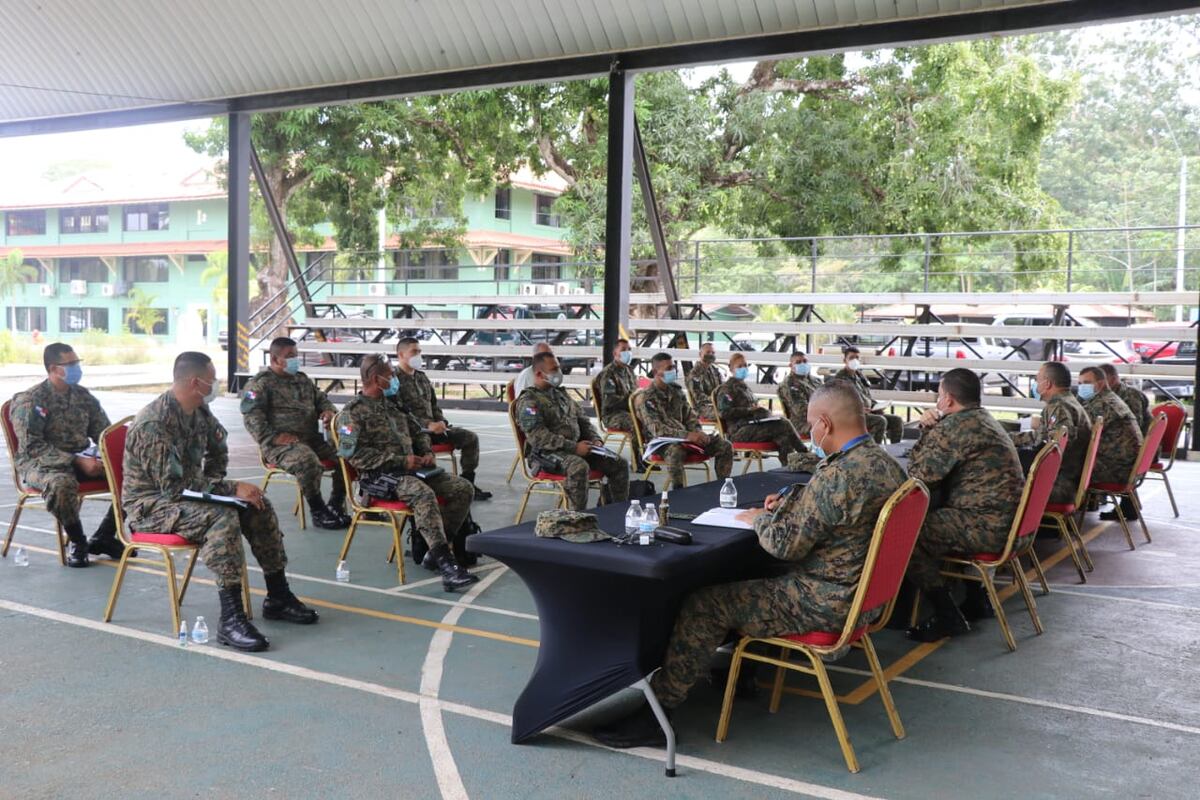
<point>670,376</point>
<point>1033,391</point>
<point>801,369</point>
<point>816,450</point>
<point>1086,391</point>
<point>292,365</point>
<point>626,356</point>
<point>741,372</point>
<point>392,388</point>
<point>74,374</point>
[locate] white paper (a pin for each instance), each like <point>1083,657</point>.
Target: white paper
<point>765,419</point>
<point>659,442</point>
<point>208,497</point>
<point>723,518</point>
<point>604,451</point>
<point>1026,423</point>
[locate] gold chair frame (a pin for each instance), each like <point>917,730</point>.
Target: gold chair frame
<point>394,519</point>
<point>1065,523</point>
<point>610,434</point>
<point>1158,423</point>
<point>535,485</point>
<point>747,455</point>
<point>659,466</point>
<point>1161,474</point>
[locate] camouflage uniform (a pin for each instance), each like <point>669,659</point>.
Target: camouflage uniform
<point>51,428</point>
<point>1136,400</point>
<point>273,404</point>
<point>968,456</point>
<point>417,397</point>
<point>376,435</point>
<point>794,394</point>
<point>879,424</point>
<point>1062,409</point>
<point>702,381</point>
<point>553,424</point>
<point>616,381</point>
<point>665,412</point>
<point>737,406</point>
<point>824,530</point>
<point>168,451</point>
<point>1120,441</point>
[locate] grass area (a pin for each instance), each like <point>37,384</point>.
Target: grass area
<point>94,347</point>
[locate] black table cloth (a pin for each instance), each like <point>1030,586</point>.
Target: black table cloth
<point>605,609</point>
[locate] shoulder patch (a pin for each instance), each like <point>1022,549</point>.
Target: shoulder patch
<point>41,412</point>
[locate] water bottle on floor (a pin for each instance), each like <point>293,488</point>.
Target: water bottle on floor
<point>342,573</point>
<point>200,631</point>
<point>183,634</point>
<point>20,557</point>
<point>633,518</point>
<point>729,494</point>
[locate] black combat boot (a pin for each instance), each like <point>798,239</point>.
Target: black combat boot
<point>453,576</point>
<point>281,604</point>
<point>322,515</point>
<point>104,541</point>
<point>947,620</point>
<point>234,630</point>
<point>480,494</point>
<point>337,501</point>
<point>77,545</point>
<point>1126,508</point>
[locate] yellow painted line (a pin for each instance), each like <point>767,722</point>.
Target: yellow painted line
<point>898,667</point>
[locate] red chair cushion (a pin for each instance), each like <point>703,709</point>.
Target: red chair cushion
<point>169,539</point>
<point>988,557</point>
<point>1110,487</point>
<point>85,487</point>
<point>542,475</point>
<point>395,505</point>
<point>617,430</point>
<point>1060,508</point>
<point>762,447</point>
<point>823,638</point>
<point>444,447</point>
<point>1158,466</point>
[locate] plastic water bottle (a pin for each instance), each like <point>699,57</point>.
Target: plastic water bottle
<point>633,518</point>
<point>343,572</point>
<point>183,634</point>
<point>648,524</point>
<point>729,494</point>
<point>200,631</point>
<point>20,557</point>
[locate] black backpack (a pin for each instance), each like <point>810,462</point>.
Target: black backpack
<point>458,544</point>
<point>639,489</point>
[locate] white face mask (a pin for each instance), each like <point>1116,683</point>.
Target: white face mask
<point>854,364</point>
<point>417,362</point>
<point>212,392</point>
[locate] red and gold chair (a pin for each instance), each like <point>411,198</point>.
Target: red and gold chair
<point>656,462</point>
<point>510,396</point>
<point>1151,446</point>
<point>166,545</point>
<point>982,567</point>
<point>30,497</point>
<point>543,482</point>
<point>610,434</point>
<point>1176,417</point>
<point>749,453</point>
<point>883,569</point>
<point>705,422</point>
<point>445,452</point>
<point>276,473</point>
<point>1062,515</point>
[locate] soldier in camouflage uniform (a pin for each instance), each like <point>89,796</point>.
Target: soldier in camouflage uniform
<point>1120,440</point>
<point>663,411</point>
<point>879,424</point>
<point>740,414</point>
<point>1134,398</point>
<point>559,437</point>
<point>377,437</point>
<point>281,408</point>
<point>823,531</point>
<point>54,421</point>
<point>176,443</point>
<point>617,382</point>
<point>417,397</point>
<point>795,391</point>
<point>703,380</point>
<point>969,463</point>
<point>1053,386</point>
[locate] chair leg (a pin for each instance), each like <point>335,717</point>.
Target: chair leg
<point>187,573</point>
<point>398,546</point>
<point>300,510</point>
<point>1001,617</point>
<point>1170,494</point>
<point>885,694</point>
<point>1026,592</point>
<point>116,588</point>
<point>735,667</point>
<point>512,468</point>
<point>1083,551</point>
<point>60,540</point>
<point>350,535</point>
<point>1137,505</point>
<point>524,502</point>
<point>1116,499</point>
<point>835,713</point>
<point>780,675</point>
<point>12,526</point>
<point>172,591</point>
<point>1069,541</point>
<point>246,591</point>
<point>1037,568</point>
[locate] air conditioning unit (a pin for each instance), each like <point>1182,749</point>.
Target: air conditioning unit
<point>46,290</point>
<point>108,290</point>
<point>529,288</point>
<point>377,290</point>
<point>562,288</point>
<point>79,287</point>
<point>545,288</point>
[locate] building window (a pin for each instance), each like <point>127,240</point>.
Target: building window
<point>546,267</point>
<point>147,269</point>
<point>82,269</point>
<point>423,265</point>
<point>78,320</point>
<point>26,223</point>
<point>27,319</point>
<point>92,219</point>
<point>504,203</point>
<point>197,258</point>
<point>544,211</point>
<point>39,275</point>
<point>148,217</point>
<point>160,325</point>
<point>503,263</point>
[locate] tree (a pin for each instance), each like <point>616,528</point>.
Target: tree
<point>217,273</point>
<point>14,273</point>
<point>141,316</point>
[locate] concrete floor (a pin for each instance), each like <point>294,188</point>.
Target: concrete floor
<point>405,691</point>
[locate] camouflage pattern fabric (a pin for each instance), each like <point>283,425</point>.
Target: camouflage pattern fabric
<point>1136,400</point>
<point>571,526</point>
<point>879,424</point>
<point>553,423</point>
<point>1120,440</point>
<point>794,394</point>
<point>1059,410</point>
<point>417,397</point>
<point>665,412</point>
<point>616,381</point>
<point>168,451</point>
<point>824,530</point>
<point>273,404</point>
<point>51,428</point>
<point>967,460</point>
<point>738,406</point>
<point>376,435</point>
<point>702,381</point>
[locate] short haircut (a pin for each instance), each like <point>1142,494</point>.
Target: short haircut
<point>659,359</point>
<point>405,341</point>
<point>537,348</point>
<point>281,343</point>
<point>372,364</point>
<point>964,386</point>
<point>53,352</point>
<point>707,344</point>
<point>1096,372</point>
<point>798,354</point>
<point>843,394</point>
<point>848,349</point>
<point>190,364</point>
<point>1110,371</point>
<point>540,361</point>
<point>621,342</point>
<point>1059,375</point>
<point>737,356</point>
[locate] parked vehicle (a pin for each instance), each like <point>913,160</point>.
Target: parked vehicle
<point>1175,388</point>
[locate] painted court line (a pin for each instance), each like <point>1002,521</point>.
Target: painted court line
<point>699,764</point>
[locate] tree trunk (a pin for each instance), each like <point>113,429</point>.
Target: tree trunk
<point>273,275</point>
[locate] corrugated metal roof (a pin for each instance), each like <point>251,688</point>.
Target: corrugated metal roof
<point>66,57</point>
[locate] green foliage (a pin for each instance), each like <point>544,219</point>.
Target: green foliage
<point>93,346</point>
<point>141,316</point>
<point>217,273</point>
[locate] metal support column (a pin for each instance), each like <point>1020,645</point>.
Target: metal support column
<point>238,311</point>
<point>617,222</point>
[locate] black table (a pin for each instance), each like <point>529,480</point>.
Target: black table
<point>605,609</point>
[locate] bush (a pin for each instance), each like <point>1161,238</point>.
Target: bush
<point>94,347</point>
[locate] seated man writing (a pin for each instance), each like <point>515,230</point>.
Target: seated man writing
<point>387,446</point>
<point>744,420</point>
<point>823,531</point>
